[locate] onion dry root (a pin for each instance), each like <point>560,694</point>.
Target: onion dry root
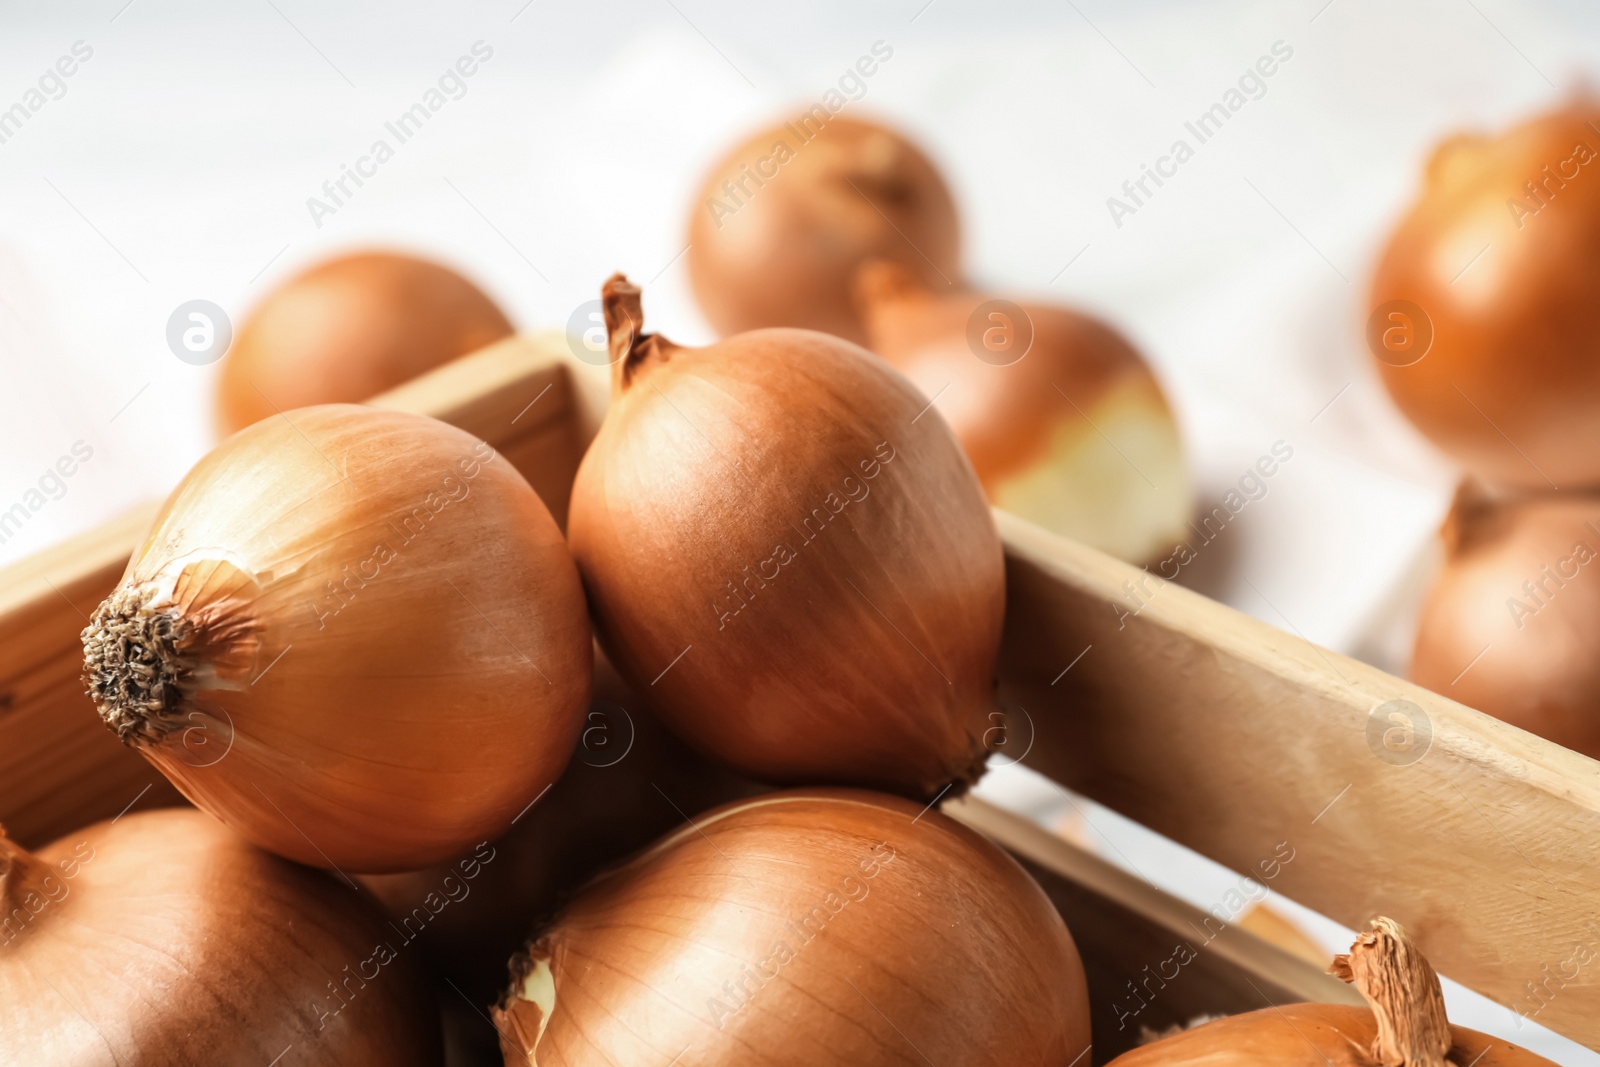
<point>163,937</point>
<point>1064,422</point>
<point>1404,1025</point>
<point>356,636</point>
<point>789,553</point>
<point>802,928</point>
<point>1519,579</point>
<point>781,223</point>
<point>348,329</point>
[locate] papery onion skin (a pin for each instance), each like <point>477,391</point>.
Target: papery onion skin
<point>1308,1035</point>
<point>1511,622</point>
<point>1509,387</point>
<point>162,937</point>
<point>798,570</point>
<point>1403,1024</point>
<point>629,782</point>
<point>348,329</point>
<point>1073,433</point>
<point>783,253</point>
<point>802,928</point>
<point>387,650</point>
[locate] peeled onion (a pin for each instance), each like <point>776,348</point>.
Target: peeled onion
<point>803,928</point>
<point>354,635</point>
<point>1512,621</point>
<point>629,782</point>
<point>782,221</point>
<point>1497,263</point>
<point>163,937</point>
<point>798,571</point>
<point>1063,421</point>
<point>1404,1024</point>
<point>348,329</point>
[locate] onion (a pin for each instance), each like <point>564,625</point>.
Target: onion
<point>802,928</point>
<point>1512,620</point>
<point>162,937</point>
<point>348,329</point>
<point>781,223</point>
<point>1484,315</point>
<point>354,635</point>
<point>1404,1025</point>
<point>630,781</point>
<point>1064,422</point>
<point>788,552</point>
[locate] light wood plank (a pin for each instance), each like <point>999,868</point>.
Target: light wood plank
<point>1230,736</point>
<point>518,396</point>
<point>41,595</point>
<point>1131,934</point>
<point>59,767</point>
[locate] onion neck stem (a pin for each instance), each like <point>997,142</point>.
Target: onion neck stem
<point>1394,977</point>
<point>630,347</point>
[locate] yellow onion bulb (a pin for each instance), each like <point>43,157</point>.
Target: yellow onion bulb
<point>164,937</point>
<point>803,928</point>
<point>1512,620</point>
<point>787,551</point>
<point>354,635</point>
<point>1483,317</point>
<point>348,329</point>
<point>1063,420</point>
<point>1403,1023</point>
<point>1311,1035</point>
<point>782,221</point>
<point>629,782</point>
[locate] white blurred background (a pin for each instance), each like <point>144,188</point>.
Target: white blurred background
<point>177,164</point>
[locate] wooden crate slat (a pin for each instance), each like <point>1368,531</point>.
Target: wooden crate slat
<point>59,767</point>
<point>44,594</point>
<point>518,396</point>
<point>1232,736</point>
<point>1130,933</point>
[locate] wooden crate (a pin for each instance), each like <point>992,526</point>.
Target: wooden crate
<point>1230,736</point>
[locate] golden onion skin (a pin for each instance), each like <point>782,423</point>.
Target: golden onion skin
<point>348,329</point>
<point>173,941</point>
<point>803,928</point>
<point>629,782</point>
<point>388,657</point>
<point>1065,423</point>
<point>788,552</point>
<point>1499,260</point>
<point>784,253</point>
<point>1512,620</point>
<point>1308,1035</point>
<point>1403,1023</point>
